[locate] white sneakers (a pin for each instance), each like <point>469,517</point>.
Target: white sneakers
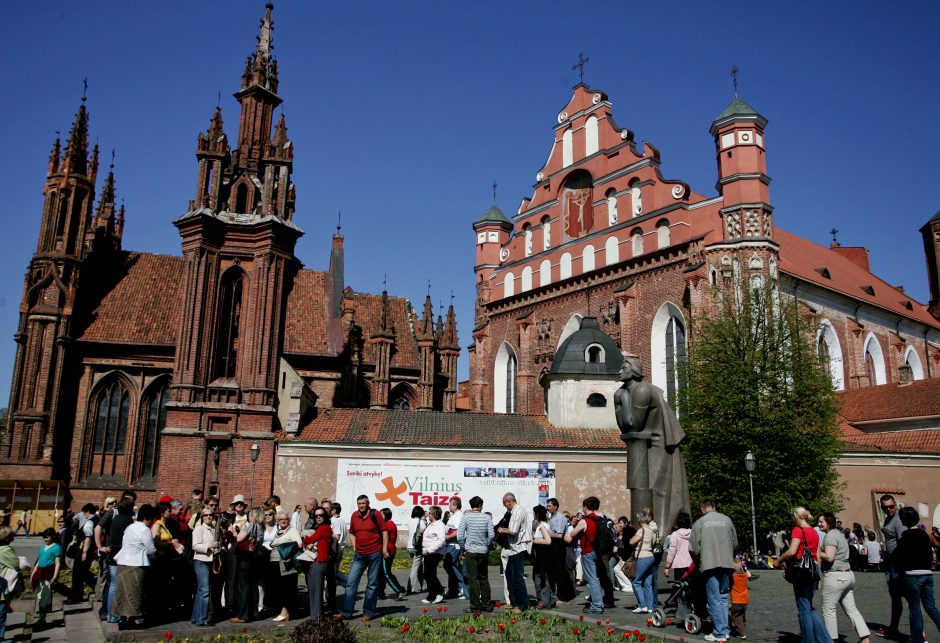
<point>712,638</point>
<point>641,610</point>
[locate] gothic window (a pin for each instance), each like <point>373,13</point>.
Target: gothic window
<point>227,345</point>
<point>564,267</point>
<point>874,361</point>
<point>636,238</point>
<point>112,406</point>
<point>590,136</point>
<point>662,233</point>
<point>545,273</point>
<point>505,370</point>
<point>611,251</point>
<point>241,198</point>
<point>509,285</point>
<point>526,279</point>
<point>400,403</point>
<point>912,359</point>
<point>829,350</point>
<point>668,351</point>
<point>154,422</point>
<point>63,208</point>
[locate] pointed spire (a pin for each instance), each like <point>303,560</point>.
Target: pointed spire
<point>93,164</point>
<point>106,201</point>
<point>215,125</point>
<point>439,331</point>
<point>427,319</point>
<point>450,328</point>
<point>55,155</point>
<point>265,41</point>
<point>384,310</point>
<point>75,159</point>
<point>280,132</point>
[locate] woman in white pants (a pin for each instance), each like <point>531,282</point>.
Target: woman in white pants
<point>416,527</point>
<point>838,580</point>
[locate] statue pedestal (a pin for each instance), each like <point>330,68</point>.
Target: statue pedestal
<point>638,471</point>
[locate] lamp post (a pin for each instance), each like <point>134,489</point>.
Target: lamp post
<point>750,463</point>
<point>255,450</point>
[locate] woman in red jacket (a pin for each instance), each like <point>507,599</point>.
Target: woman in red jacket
<point>318,542</point>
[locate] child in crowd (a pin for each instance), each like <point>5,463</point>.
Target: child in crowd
<point>45,574</point>
<point>914,557</point>
<point>739,597</point>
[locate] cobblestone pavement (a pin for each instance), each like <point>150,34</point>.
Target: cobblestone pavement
<point>771,615</point>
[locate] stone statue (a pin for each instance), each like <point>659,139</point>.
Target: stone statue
<point>655,467</point>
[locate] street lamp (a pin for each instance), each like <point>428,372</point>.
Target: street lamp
<point>255,451</point>
<point>750,463</point>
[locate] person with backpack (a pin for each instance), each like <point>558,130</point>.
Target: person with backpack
<point>587,531</point>
<point>712,544</point>
<point>643,540</point>
<point>10,582</point>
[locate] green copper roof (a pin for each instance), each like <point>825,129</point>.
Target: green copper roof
<point>737,108</point>
<point>493,215</point>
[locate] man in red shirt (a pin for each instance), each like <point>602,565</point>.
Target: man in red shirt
<point>587,530</point>
<point>368,534</point>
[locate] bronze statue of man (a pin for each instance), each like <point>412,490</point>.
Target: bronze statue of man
<point>655,467</point>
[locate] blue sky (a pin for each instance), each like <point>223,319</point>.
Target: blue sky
<point>403,113</point>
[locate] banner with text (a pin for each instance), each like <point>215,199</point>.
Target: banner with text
<point>401,485</point>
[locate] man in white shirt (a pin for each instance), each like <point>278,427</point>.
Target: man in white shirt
<point>456,579</point>
<point>520,543</point>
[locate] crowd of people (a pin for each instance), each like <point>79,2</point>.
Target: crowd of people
<point>197,560</point>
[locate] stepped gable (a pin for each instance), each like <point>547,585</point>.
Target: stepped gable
<point>306,331</point>
<point>801,258</point>
<point>143,304</point>
<point>433,428</point>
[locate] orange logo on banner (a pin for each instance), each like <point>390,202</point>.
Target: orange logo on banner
<point>392,493</point>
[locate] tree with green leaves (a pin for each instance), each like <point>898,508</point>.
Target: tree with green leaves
<point>754,382</point>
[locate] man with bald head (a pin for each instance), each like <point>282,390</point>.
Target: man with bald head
<point>519,532</point>
<point>311,504</point>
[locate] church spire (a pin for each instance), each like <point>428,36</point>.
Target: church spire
<point>108,223</point>
<point>427,318</point>
<point>75,159</point>
<point>55,156</point>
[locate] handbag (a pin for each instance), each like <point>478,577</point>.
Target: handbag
<point>629,565</point>
<point>805,570</point>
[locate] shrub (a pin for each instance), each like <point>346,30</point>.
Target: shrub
<point>323,631</point>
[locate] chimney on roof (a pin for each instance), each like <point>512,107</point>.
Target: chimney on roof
<point>857,255</point>
<point>337,275</point>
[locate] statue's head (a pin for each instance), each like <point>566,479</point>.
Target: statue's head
<point>631,369</point>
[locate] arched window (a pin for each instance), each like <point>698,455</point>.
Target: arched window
<point>564,266</point>
<point>112,406</point>
<point>527,235</point>
<point>668,351</point>
<point>612,208</point>
<point>611,251</point>
<point>526,279</point>
<point>874,361</point>
<point>227,347</point>
<point>594,354</point>
<point>912,359</point>
<point>636,198</point>
<point>596,400</point>
<point>662,233</point>
<point>829,350</point>
<point>402,397</point>
<point>636,238</point>
<point>509,285</point>
<point>504,380</point>
<point>401,404</point>
<point>154,422</point>
<point>590,136</point>
<point>546,233</point>
<point>567,148</point>
<point>241,198</point>
<point>545,273</point>
<point>587,259</point>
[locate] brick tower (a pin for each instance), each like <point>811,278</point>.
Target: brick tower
<point>44,335</point>
<point>238,244</point>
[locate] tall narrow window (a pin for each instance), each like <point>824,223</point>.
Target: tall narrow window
<point>229,323</point>
<point>241,198</point>
<point>511,368</point>
<point>154,423</point>
<point>505,368</point>
<point>112,408</point>
<point>675,356</point>
<point>591,143</point>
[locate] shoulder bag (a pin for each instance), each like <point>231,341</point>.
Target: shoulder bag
<point>805,569</point>
<point>629,565</point>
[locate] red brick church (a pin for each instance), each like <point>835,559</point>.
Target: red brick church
<point>159,372</point>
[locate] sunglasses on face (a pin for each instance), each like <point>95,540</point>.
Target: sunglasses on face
<point>888,507</point>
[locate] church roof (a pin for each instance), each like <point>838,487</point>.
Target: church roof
<point>570,358</point>
<point>140,303</point>
<point>433,428</point>
<point>806,260</point>
<point>868,413</point>
<point>493,215</point>
<point>737,108</point>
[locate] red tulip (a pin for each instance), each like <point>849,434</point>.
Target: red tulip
<point>473,630</point>
<point>542,621</point>
<point>598,621</point>
<point>607,621</point>
<point>668,621</point>
<point>445,608</point>
<point>541,606</point>
<point>486,630</point>
<point>610,630</point>
<point>626,635</point>
<point>681,639</point>
<point>477,613</point>
<point>581,618</point>
<point>499,603</point>
<point>636,632</point>
<point>502,627</point>
<point>513,621</point>
<point>425,610</point>
<point>405,628</point>
<point>642,638</point>
<point>168,635</point>
<point>440,608</point>
<point>574,631</point>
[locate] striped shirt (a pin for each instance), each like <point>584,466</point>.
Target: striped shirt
<point>475,532</point>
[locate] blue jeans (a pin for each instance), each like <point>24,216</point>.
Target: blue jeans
<point>717,595</point>
<point>643,583</point>
<point>372,563</point>
<point>515,581</point>
<point>812,627</point>
<point>456,579</point>
<point>920,591</point>
<point>201,597</point>
<point>112,588</point>
<point>589,570</point>
<point>4,608</point>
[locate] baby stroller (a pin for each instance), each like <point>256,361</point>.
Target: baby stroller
<point>692,586</point>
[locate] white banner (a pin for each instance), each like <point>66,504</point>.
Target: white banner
<point>401,485</point>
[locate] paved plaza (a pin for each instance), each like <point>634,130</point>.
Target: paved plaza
<point>771,616</point>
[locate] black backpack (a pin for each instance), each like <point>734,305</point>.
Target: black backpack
<point>604,535</point>
<point>502,539</point>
